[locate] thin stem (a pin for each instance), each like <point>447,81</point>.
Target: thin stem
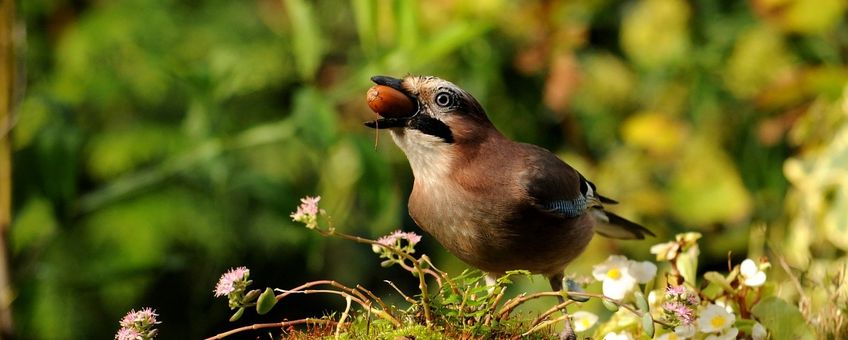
<point>272,325</point>
<point>422,284</point>
<point>553,309</point>
<point>516,301</point>
<point>407,298</point>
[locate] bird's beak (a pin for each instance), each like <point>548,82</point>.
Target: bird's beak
<point>391,122</point>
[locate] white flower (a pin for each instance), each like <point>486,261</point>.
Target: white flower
<point>758,332</point>
<point>643,271</point>
<point>583,320</point>
<point>752,276</point>
<point>617,336</point>
<point>615,274</point>
<point>620,275</point>
<point>715,319</point>
<point>730,334</point>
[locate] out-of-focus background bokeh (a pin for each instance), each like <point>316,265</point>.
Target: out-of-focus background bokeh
<point>156,144</point>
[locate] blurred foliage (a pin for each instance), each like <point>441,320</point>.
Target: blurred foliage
<point>161,142</point>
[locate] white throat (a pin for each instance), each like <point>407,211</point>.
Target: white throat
<point>429,156</point>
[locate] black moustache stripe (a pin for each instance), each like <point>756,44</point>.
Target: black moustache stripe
<point>431,126</point>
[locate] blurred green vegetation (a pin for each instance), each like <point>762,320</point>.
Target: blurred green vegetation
<point>160,143</point>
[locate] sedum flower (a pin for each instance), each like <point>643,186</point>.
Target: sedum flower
<point>752,276</point>
<point>138,325</point>
<point>307,212</point>
<point>127,334</point>
<point>583,320</point>
<point>715,319</point>
<point>396,239</point>
<point>235,280</point>
<point>142,318</point>
<point>680,305</point>
<point>620,275</point>
<point>758,332</point>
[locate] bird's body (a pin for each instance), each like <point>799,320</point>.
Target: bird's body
<point>496,204</point>
<point>495,225</point>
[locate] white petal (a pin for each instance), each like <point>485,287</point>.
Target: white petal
<point>711,312</point>
<point>758,332</point>
<point>643,271</point>
<point>748,268</point>
<point>583,320</point>
<point>617,289</point>
<point>756,280</point>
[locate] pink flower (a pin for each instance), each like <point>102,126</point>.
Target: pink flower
<point>138,325</point>
<point>230,281</point>
<point>680,311</point>
<point>128,334</point>
<point>144,317</point>
<point>395,237</point>
<point>308,208</point>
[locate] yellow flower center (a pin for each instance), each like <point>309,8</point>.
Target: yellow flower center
<point>673,336</point>
<point>717,321</point>
<point>585,323</point>
<point>614,274</point>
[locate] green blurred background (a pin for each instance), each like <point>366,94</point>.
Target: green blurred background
<point>159,143</point>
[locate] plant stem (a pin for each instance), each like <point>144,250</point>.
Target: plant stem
<point>272,325</point>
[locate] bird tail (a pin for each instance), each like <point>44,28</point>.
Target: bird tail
<point>617,227</point>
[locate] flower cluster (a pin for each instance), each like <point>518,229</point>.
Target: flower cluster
<point>680,305</point>
<point>233,285</point>
<point>621,275</point>
<point>138,325</point>
<point>307,212</point>
<point>398,241</point>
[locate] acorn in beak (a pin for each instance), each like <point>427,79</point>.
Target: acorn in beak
<point>392,102</point>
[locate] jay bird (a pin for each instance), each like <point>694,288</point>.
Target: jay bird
<point>496,204</point>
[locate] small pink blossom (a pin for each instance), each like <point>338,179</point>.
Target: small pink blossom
<point>229,281</point>
<point>680,311</point>
<point>144,317</point>
<point>308,208</point>
<point>128,334</point>
<point>396,236</point>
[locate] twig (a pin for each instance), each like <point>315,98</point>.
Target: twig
<point>544,324</point>
<point>272,325</point>
<point>343,317</point>
<point>518,300</point>
<point>367,305</point>
<point>553,309</point>
<point>407,298</point>
<point>422,284</point>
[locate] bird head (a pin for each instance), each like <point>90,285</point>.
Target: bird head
<point>444,114</point>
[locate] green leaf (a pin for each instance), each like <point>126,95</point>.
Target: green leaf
<point>266,301</point>
<point>687,264</point>
<point>307,42</point>
<point>609,305</point>
<point>648,324</point>
<point>34,225</point>
<point>719,280</point>
<point>641,303</point>
<point>783,320</point>
<point>237,315</point>
<point>365,14</point>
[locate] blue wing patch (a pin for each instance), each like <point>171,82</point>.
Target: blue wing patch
<point>569,208</point>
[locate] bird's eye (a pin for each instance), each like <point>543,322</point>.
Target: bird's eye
<point>444,99</point>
